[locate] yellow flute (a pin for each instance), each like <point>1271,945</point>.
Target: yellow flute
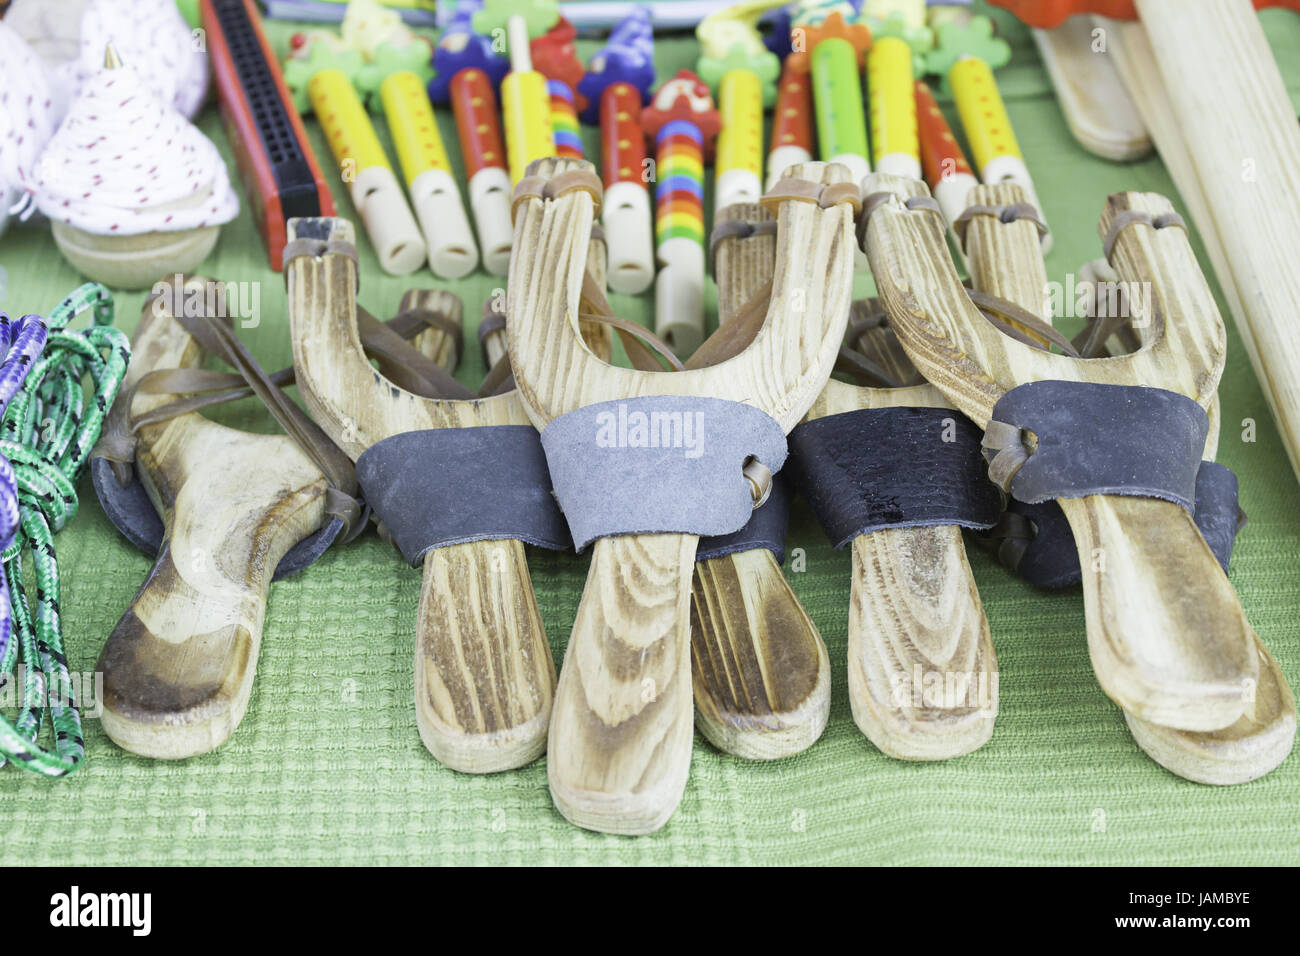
<point>988,129</point>
<point>429,179</point>
<point>525,105</point>
<point>739,162</point>
<point>364,167</point>
<point>895,142</point>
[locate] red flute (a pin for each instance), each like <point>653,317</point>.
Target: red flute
<point>622,143</point>
<point>947,172</point>
<point>625,213</point>
<point>792,124</point>
<point>483,151</point>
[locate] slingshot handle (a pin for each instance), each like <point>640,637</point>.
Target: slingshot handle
<point>620,741</point>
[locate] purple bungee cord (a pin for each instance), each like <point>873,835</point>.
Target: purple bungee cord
<point>21,342</point>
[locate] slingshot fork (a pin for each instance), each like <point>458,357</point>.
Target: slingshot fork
<point>1262,736</point>
<point>484,676</point>
<point>620,740</point>
<point>1166,634</point>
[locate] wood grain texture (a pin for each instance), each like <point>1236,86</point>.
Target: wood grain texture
<point>760,670</point>
<point>1229,101</point>
<point>923,678</point>
<point>1167,637</point>
<point>484,676</point>
<point>621,732</point>
<point>761,674</point>
<point>1097,106</point>
<point>1264,735</point>
<point>179,667</point>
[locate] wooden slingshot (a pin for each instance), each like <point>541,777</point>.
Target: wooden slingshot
<point>913,598</point>
<point>484,677</point>
<point>620,742</point>
<point>178,668</point>
<point>1262,737</point>
<point>761,674</point>
<point>1166,634</point>
<point>914,607</point>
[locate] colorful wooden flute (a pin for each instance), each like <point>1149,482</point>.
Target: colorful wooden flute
<point>742,74</point>
<point>364,166</point>
<point>479,131</point>
<point>739,163</point>
<point>467,72</point>
<point>792,124</point>
<point>429,179</point>
<point>564,120</point>
<point>947,172</point>
<point>525,103</point>
<point>895,142</point>
<point>835,52</point>
<point>556,59</point>
<point>625,213</point>
<point>683,122</point>
<point>965,55</point>
<point>988,129</point>
<point>393,79</point>
<point>616,84</point>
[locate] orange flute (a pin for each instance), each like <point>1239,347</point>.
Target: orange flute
<point>792,124</point>
<point>947,172</point>
<point>625,213</point>
<point>481,147</point>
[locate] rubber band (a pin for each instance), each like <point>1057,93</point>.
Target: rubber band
<point>802,190</point>
<point>874,201</point>
<point>1133,217</point>
<point>1011,212</point>
<point>535,186</point>
<point>736,229</point>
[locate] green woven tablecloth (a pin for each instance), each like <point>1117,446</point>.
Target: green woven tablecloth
<point>327,766</point>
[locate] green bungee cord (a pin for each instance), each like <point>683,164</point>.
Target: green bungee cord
<point>47,434</point>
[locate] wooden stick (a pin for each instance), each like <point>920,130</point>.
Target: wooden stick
<point>1167,636</point>
<point>1263,736</point>
<point>762,677</point>
<point>179,666</point>
<point>483,670</point>
<point>1098,108</point>
<point>1231,105</point>
<point>621,733</point>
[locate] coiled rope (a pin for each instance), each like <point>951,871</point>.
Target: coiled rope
<point>46,436</point>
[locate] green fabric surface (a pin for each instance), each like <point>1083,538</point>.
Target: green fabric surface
<point>327,766</point>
